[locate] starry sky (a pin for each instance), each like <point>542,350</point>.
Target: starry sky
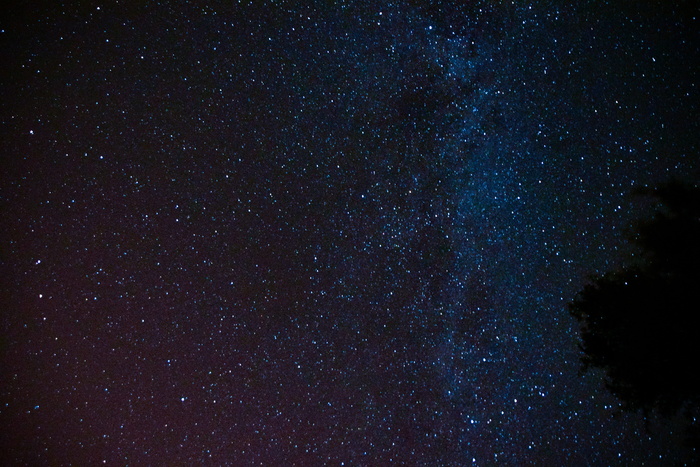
<point>326,233</point>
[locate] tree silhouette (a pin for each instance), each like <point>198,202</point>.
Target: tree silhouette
<point>639,324</point>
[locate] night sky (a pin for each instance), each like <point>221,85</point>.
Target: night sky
<point>326,233</point>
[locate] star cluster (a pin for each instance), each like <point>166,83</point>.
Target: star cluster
<point>326,233</point>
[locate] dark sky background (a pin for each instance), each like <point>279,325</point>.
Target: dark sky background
<point>338,233</point>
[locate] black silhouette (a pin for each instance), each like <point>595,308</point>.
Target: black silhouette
<point>639,324</point>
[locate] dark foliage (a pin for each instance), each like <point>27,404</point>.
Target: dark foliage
<point>639,324</point>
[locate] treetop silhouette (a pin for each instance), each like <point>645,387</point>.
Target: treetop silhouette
<point>639,324</point>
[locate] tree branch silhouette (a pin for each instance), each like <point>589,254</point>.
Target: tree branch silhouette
<point>639,324</point>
